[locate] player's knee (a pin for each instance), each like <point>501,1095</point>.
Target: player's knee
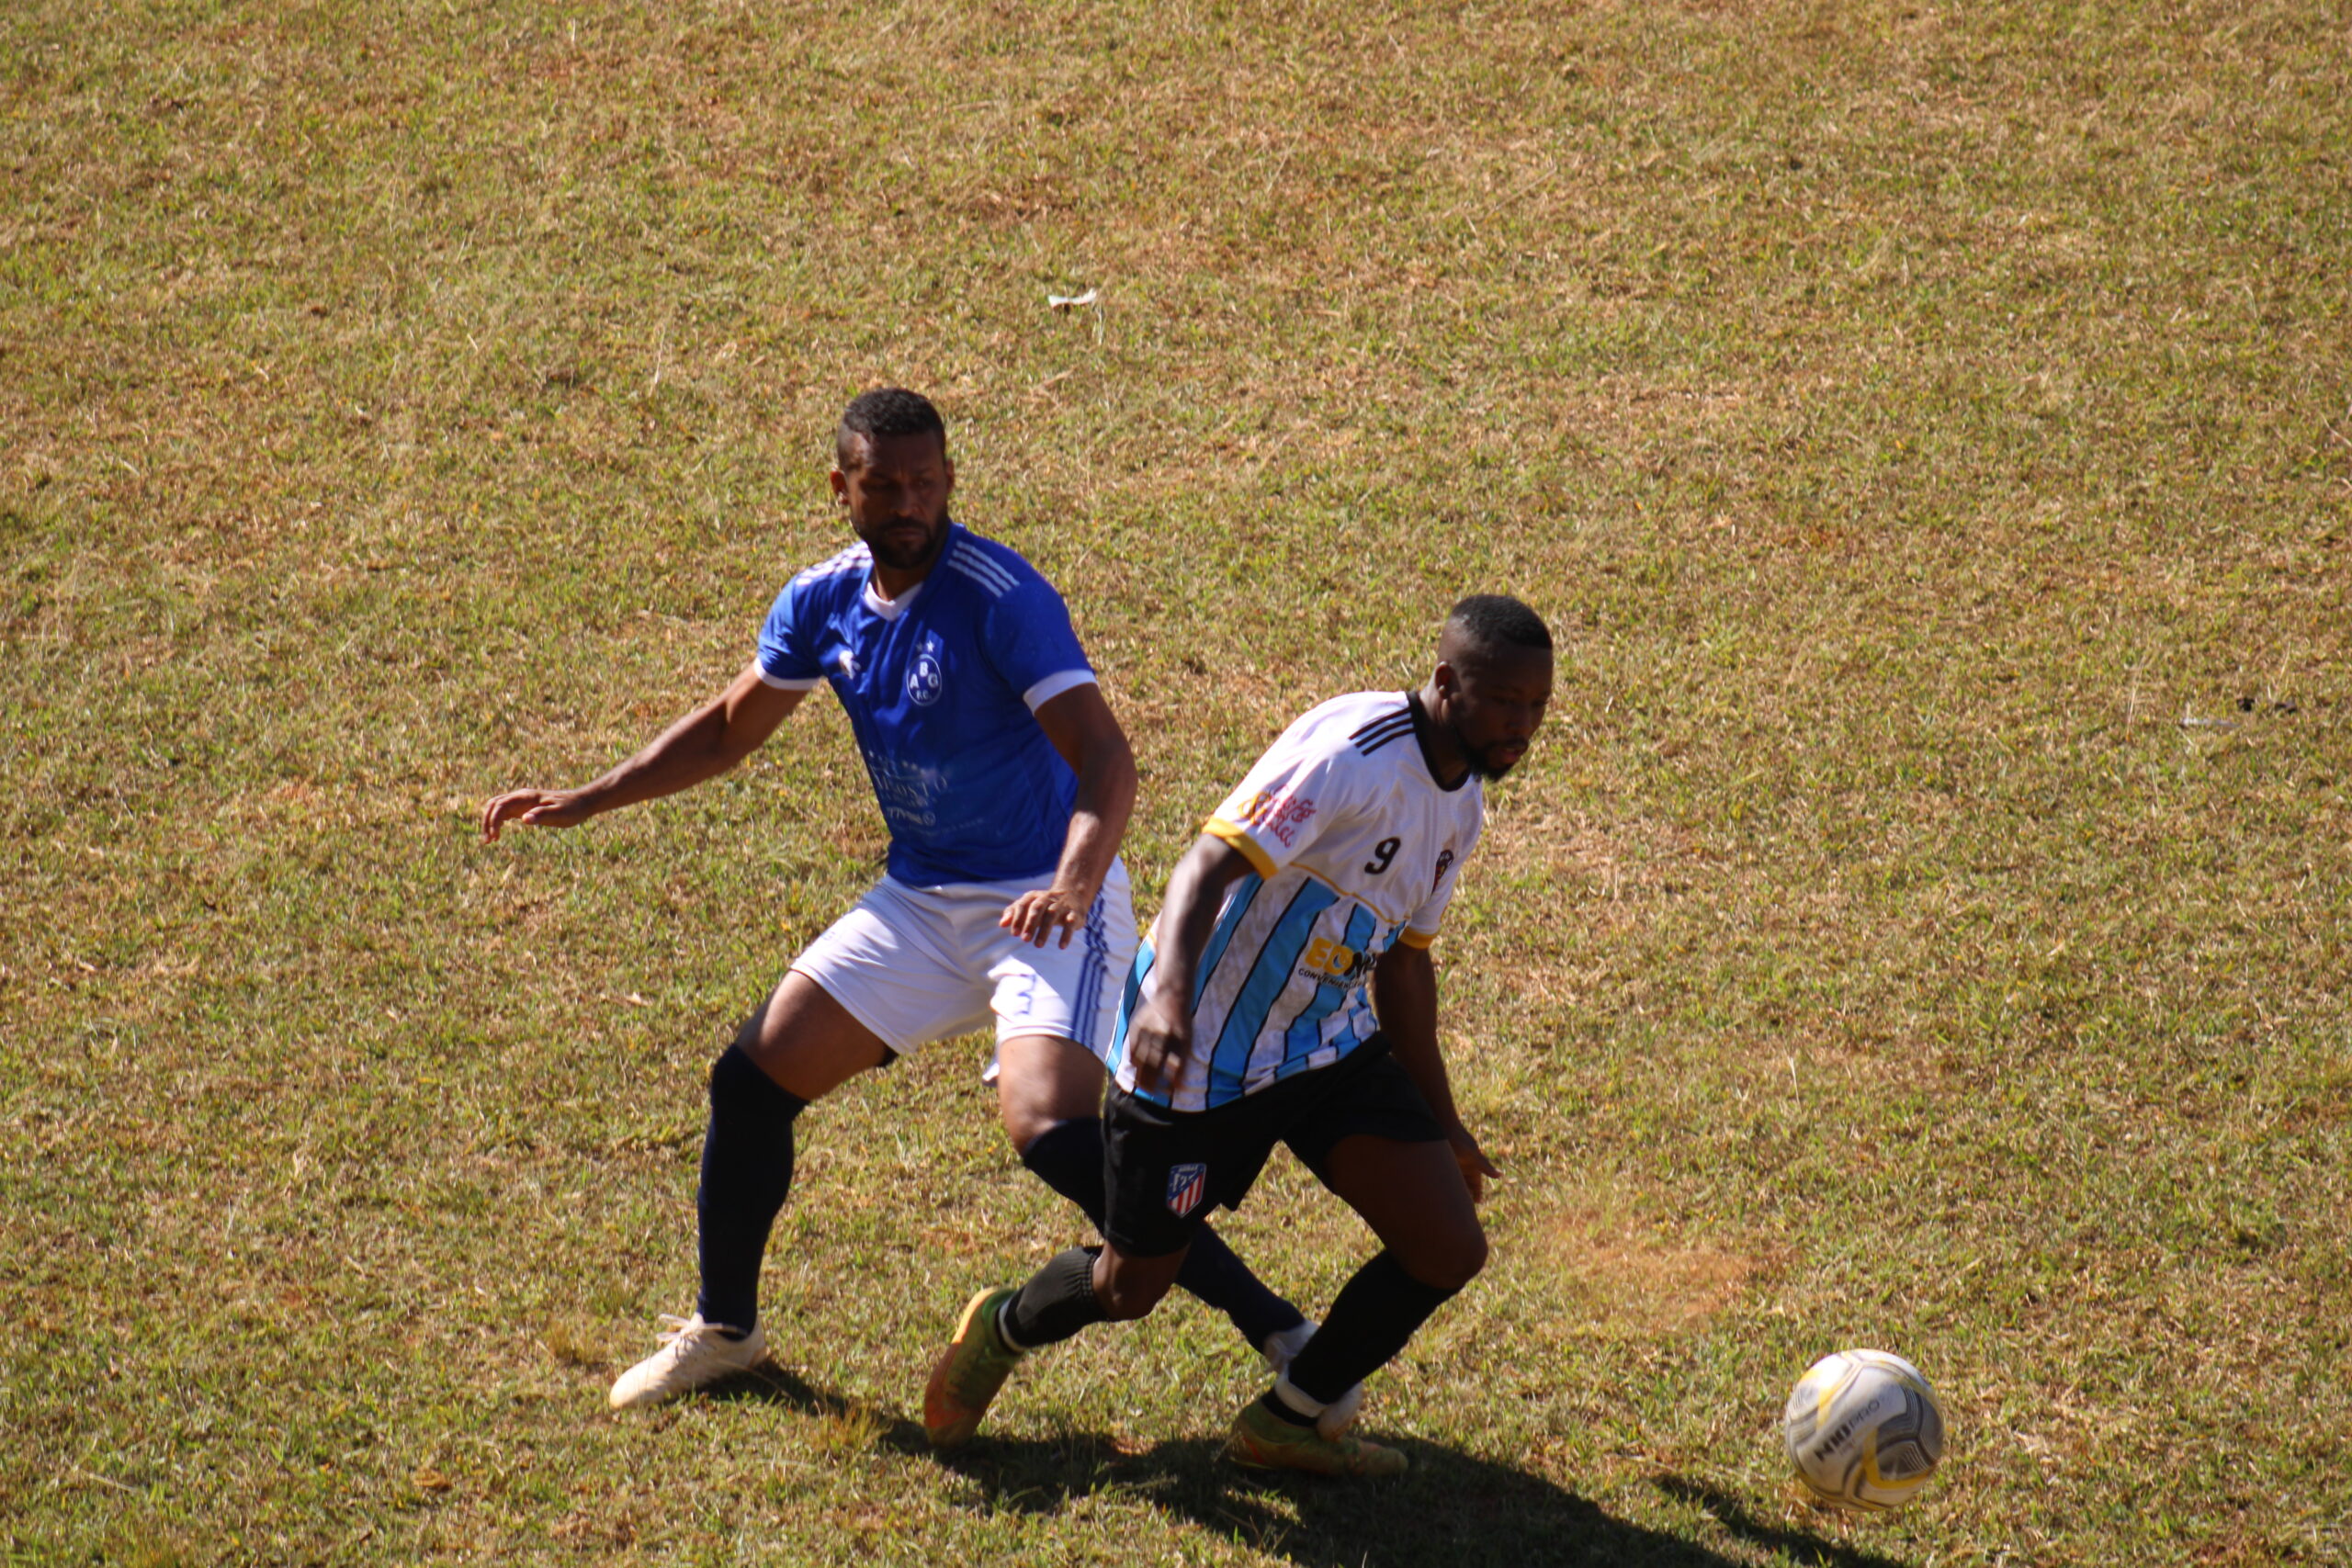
<point>736,1080</point>
<point>1473,1254</point>
<point>1126,1295</point>
<point>747,1043</point>
<point>1043,1083</point>
<point>1122,1304</point>
<point>1025,1124</point>
<point>1452,1261</point>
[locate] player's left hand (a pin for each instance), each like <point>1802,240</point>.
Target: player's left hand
<point>1034,916</point>
<point>1475,1166</point>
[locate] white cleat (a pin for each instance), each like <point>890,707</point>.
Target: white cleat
<point>1282,1348</point>
<point>693,1353</point>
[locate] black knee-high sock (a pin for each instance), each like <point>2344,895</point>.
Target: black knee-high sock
<point>1377,1311</point>
<point>746,1172</point>
<point>1067,1156</point>
<point>1056,1302</point>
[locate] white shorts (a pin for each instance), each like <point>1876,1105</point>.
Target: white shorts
<point>919,964</point>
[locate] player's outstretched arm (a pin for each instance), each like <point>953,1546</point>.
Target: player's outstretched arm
<point>1087,734</point>
<point>704,744</point>
<point>1403,994</point>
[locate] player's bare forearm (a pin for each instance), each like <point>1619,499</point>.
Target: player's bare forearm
<point>702,745</point>
<point>1403,994</point>
<point>1083,729</point>
<point>1160,1037</point>
<point>1196,891</point>
<point>1079,724</point>
<point>1063,908</point>
<point>1098,823</point>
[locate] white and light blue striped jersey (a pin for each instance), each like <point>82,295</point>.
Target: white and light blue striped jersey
<point>1354,846</point>
<point>942,686</point>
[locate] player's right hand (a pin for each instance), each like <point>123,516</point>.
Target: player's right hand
<point>532,809</point>
<point>1158,1040</point>
<point>1472,1159</point>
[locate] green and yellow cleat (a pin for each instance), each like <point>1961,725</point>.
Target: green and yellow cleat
<point>1263,1440</point>
<point>967,1376</point>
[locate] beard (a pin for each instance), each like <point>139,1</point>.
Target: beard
<point>901,556</point>
<point>1482,761</point>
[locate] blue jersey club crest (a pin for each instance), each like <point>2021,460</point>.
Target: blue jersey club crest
<point>926,678</point>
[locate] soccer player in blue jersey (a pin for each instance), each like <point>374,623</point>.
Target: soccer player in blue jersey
<point>1287,995</point>
<point>1006,785</point>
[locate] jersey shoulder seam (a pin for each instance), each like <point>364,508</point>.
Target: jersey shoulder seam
<point>856,556</point>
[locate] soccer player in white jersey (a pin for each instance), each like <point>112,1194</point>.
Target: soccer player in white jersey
<point>1287,995</point>
<point>1006,784</point>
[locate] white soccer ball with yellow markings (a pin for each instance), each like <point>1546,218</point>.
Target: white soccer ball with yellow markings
<point>1863,1430</point>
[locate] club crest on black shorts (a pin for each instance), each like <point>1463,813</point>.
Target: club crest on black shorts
<point>1187,1185</point>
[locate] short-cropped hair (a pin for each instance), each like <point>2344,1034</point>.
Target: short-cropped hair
<point>886,410</point>
<point>1492,622</point>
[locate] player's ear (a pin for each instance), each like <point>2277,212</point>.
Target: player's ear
<point>840,487</point>
<point>947,466</point>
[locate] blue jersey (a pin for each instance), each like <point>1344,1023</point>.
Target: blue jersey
<point>942,686</point>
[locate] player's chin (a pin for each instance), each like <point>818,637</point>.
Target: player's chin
<point>1496,760</point>
<point>905,548</point>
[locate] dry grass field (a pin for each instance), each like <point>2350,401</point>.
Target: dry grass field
<point>1923,923</point>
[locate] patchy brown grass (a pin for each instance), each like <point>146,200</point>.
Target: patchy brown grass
<point>1614,1280</point>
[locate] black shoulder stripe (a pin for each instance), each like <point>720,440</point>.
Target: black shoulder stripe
<point>1402,715</point>
<point>1371,736</point>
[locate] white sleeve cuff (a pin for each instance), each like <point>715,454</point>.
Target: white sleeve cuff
<point>1053,686</point>
<point>809,685</point>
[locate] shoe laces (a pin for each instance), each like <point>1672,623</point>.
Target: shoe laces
<point>685,1339</point>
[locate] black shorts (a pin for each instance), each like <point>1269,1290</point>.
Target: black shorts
<point>1168,1168</point>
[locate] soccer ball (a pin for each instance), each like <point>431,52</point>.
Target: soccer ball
<point>1863,1430</point>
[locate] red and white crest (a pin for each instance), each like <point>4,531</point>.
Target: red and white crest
<point>1187,1185</point>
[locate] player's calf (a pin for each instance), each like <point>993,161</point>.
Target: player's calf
<point>1067,1156</point>
<point>1377,1313</point>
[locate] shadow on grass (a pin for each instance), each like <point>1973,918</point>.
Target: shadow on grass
<point>1451,1507</point>
<point>773,1384</point>
<point>1800,1546</point>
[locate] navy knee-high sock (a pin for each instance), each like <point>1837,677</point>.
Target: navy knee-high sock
<point>1057,1302</point>
<point>1067,1156</point>
<point>1377,1313</point>
<point>746,1172</point>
